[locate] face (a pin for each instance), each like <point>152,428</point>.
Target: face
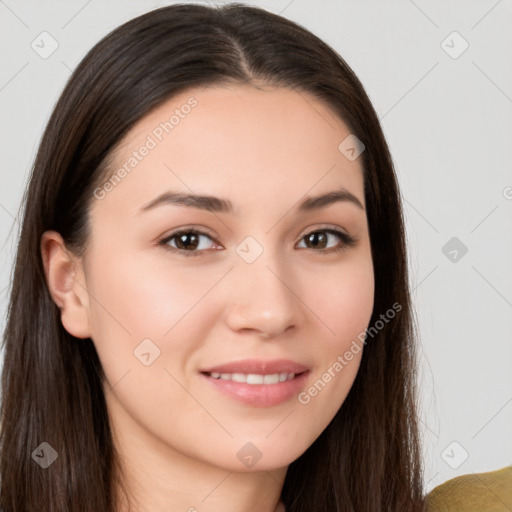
<point>221,322</point>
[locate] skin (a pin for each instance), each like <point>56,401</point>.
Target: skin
<point>265,150</point>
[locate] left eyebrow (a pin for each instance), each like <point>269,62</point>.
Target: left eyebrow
<point>219,205</point>
<point>314,203</point>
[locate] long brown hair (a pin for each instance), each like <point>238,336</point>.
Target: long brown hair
<point>368,457</point>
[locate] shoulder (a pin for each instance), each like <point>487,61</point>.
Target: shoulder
<point>478,492</point>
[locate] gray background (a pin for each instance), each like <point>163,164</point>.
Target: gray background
<point>447,118</point>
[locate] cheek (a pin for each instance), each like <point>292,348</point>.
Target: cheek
<point>344,304</point>
<point>353,303</point>
<point>343,300</point>
<point>134,301</point>
<point>136,297</point>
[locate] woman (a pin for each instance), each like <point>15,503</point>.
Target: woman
<point>210,307</point>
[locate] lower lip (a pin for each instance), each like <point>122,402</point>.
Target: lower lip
<point>260,395</point>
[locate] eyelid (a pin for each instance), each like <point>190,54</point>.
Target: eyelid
<point>205,231</point>
<point>324,227</point>
<point>193,227</point>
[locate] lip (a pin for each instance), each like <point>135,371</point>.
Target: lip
<point>259,395</point>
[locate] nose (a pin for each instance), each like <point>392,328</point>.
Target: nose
<point>263,299</point>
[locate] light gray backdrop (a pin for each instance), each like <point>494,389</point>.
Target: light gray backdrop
<point>439,74</point>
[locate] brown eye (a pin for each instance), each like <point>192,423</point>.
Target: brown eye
<point>319,239</point>
<point>188,242</point>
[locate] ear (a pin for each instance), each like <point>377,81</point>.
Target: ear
<point>66,282</point>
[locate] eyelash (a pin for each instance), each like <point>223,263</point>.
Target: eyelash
<point>346,241</point>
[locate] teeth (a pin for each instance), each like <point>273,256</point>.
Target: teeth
<point>271,379</point>
<point>254,378</point>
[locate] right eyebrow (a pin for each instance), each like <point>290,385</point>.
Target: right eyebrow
<point>202,202</point>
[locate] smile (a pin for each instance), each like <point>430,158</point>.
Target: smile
<point>253,378</point>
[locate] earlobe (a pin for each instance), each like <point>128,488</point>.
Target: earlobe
<point>66,282</point>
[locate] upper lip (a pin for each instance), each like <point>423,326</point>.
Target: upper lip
<point>258,366</point>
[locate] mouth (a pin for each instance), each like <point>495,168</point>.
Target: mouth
<point>253,378</point>
<point>258,383</point>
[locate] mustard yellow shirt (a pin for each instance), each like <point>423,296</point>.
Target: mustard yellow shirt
<point>476,492</point>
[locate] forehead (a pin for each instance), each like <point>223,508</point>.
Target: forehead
<point>237,140</point>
